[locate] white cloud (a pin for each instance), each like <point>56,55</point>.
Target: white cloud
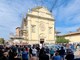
<point>68,17</point>
<point>11,14</point>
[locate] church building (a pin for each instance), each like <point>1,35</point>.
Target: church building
<point>38,26</point>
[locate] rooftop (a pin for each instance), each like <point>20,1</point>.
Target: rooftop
<point>72,33</point>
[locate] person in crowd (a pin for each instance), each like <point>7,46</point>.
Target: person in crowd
<point>16,57</point>
<point>34,53</point>
<point>11,54</point>
<point>14,48</point>
<point>58,50</point>
<point>51,52</point>
<point>43,55</point>
<point>5,56</point>
<point>72,46</point>
<point>27,49</point>
<point>57,56</point>
<point>69,56</point>
<point>24,54</point>
<point>19,49</point>
<point>62,53</point>
<point>19,53</point>
<point>38,50</point>
<point>47,51</point>
<point>1,54</point>
<point>30,52</point>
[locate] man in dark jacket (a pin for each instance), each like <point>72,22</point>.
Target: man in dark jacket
<point>43,55</point>
<point>62,53</point>
<point>70,56</point>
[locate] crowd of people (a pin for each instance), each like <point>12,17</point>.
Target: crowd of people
<point>23,52</point>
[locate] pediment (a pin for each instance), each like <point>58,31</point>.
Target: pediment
<point>41,12</point>
<point>41,9</point>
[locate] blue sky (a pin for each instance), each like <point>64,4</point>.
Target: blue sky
<point>65,12</point>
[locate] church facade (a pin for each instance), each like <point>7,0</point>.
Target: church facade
<point>38,26</point>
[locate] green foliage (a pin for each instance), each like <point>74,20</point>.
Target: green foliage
<point>61,40</point>
<point>1,41</point>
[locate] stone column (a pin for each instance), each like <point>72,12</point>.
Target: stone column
<point>29,29</point>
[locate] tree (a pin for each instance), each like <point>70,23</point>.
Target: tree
<point>1,41</point>
<point>61,40</point>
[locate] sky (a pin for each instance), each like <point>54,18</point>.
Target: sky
<point>65,12</point>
